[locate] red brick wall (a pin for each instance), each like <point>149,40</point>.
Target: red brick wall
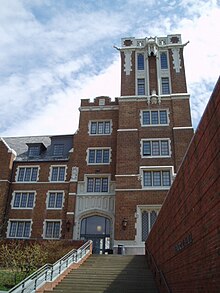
<point>6,162</point>
<point>153,74</point>
<point>185,238</point>
<point>128,81</point>
<point>178,79</point>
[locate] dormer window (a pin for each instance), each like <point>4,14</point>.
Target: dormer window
<point>34,151</point>
<point>58,150</point>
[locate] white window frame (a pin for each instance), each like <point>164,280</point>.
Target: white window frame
<point>45,226</point>
<point>51,172</point>
<point>156,168</point>
<point>154,110</point>
<point>18,220</point>
<point>22,191</point>
<point>155,139</point>
<point>25,167</point>
<point>99,121</point>
<point>96,149</point>
<point>94,176</point>
<point>56,192</point>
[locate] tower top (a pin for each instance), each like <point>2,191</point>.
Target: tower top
<point>166,41</point>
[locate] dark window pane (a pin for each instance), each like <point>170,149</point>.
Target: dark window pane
<point>91,156</point>
<point>146,118</point>
<point>163,117</point>
<point>146,148</point>
<point>166,178</point>
<point>147,178</point>
<point>155,148</point>
<point>164,148</point>
<point>105,156</point>
<point>156,178</point>
<point>163,60</point>
<point>145,225</point>
<point>141,86</point>
<point>154,117</point>
<point>165,86</point>
<point>140,62</point>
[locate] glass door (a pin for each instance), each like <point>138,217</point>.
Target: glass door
<point>97,229</point>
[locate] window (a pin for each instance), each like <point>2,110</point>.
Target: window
<point>98,184</point>
<point>58,150</point>
<point>52,229</point>
<point>140,61</point>
<point>23,200</point>
<point>155,148</point>
<point>100,127</point>
<point>156,178</point>
<point>163,60</point>
<point>98,156</point>
<point>141,86</point>
<point>19,229</point>
<point>55,200</point>
<point>154,117</point>
<point>58,173</point>
<point>34,151</point>
<point>27,174</point>
<point>165,85</point>
<point>148,220</point>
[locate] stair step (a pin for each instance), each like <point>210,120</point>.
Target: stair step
<point>109,274</point>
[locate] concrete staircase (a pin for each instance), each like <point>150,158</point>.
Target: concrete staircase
<point>109,274</point>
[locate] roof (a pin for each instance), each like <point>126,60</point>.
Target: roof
<point>21,146</point>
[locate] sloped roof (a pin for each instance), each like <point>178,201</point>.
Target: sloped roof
<point>20,146</point>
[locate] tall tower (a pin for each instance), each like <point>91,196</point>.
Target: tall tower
<point>154,130</point>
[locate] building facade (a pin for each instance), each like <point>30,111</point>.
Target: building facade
<point>107,182</point>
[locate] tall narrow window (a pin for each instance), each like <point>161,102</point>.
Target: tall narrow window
<point>140,60</point>
<point>165,86</point>
<point>163,60</point>
<point>148,220</point>
<point>141,86</point>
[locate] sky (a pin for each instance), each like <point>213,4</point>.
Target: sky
<point>53,53</point>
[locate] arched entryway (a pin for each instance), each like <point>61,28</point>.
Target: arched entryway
<point>97,229</point>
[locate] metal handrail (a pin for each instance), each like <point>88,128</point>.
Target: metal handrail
<point>159,272</point>
<point>49,272</point>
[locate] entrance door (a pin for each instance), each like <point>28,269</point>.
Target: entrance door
<point>97,229</point>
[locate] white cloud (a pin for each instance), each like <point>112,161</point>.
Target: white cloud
<point>50,64</point>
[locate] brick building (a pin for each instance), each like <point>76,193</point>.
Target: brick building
<point>107,182</point>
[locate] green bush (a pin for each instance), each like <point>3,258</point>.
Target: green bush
<point>18,259</point>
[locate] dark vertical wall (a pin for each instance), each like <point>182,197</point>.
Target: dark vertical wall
<point>185,239</point>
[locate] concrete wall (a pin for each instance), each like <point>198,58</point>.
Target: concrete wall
<point>185,240</point>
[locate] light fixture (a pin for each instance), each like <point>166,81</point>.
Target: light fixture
<point>99,228</point>
<point>124,223</point>
<point>68,225</point>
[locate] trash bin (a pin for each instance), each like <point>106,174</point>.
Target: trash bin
<point>121,249</point>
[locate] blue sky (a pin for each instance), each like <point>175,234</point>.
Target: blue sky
<point>55,52</point>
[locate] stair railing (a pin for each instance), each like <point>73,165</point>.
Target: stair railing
<point>158,274</point>
<point>49,272</point>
